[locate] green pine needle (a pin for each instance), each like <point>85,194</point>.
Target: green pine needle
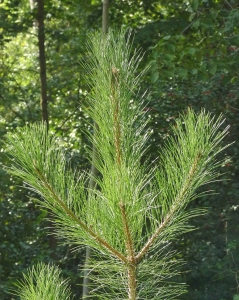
<point>43,282</point>
<point>135,212</point>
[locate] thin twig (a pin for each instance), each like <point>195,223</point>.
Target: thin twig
<point>101,241</point>
<point>177,201</point>
<point>67,119</point>
<point>115,104</point>
<point>192,22</point>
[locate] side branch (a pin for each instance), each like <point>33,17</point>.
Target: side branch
<point>175,206</point>
<point>128,241</point>
<point>60,202</point>
<point>115,104</point>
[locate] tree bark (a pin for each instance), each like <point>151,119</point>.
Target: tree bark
<point>43,98</point>
<point>42,61</point>
<point>105,16</point>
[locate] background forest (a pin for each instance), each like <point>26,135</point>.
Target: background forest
<point>192,49</point>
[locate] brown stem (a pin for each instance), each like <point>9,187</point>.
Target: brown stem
<point>175,206</point>
<point>132,263</point>
<point>115,104</point>
<point>101,241</point>
<point>132,283</point>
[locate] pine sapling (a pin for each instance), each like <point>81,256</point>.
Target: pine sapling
<point>135,212</point>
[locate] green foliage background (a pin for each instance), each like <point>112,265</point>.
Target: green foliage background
<point>192,48</point>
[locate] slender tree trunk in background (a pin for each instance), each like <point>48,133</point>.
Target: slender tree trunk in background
<point>42,60</point>
<point>94,171</point>
<point>43,98</point>
<point>105,16</point>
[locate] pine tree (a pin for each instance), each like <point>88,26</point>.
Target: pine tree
<point>137,210</point>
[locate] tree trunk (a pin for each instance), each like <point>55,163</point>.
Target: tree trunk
<point>42,61</point>
<point>43,98</point>
<point>105,16</point>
